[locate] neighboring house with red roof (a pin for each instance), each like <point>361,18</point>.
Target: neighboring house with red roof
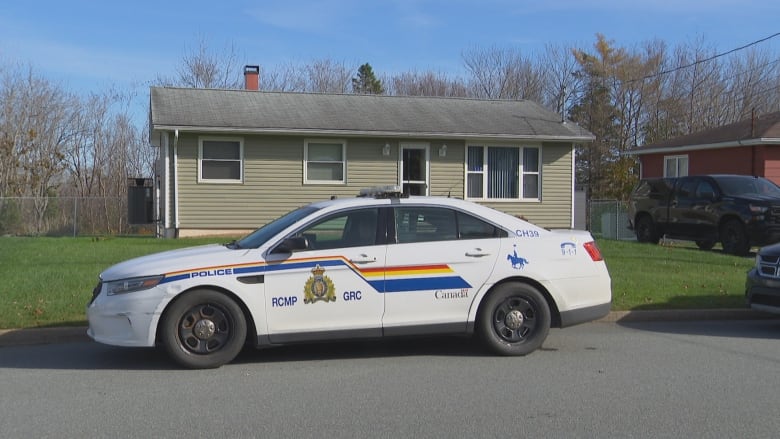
<point>749,147</point>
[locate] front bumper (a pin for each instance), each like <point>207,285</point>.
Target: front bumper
<point>125,319</point>
<point>762,233</point>
<point>762,293</point>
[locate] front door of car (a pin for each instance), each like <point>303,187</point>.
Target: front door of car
<point>440,259</point>
<point>692,209</point>
<point>680,207</point>
<point>321,292</point>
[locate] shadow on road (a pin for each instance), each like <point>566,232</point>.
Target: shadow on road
<point>95,356</point>
<point>753,329</point>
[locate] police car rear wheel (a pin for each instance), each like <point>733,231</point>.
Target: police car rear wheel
<point>203,329</point>
<point>515,319</point>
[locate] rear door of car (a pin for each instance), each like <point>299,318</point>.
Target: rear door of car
<point>437,260</point>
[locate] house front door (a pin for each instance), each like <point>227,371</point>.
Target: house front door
<point>414,169</point>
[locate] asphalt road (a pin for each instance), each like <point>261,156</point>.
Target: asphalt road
<point>643,379</point>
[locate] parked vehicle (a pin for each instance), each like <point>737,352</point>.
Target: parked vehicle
<point>367,267</point>
<point>739,211</point>
<point>762,287</point>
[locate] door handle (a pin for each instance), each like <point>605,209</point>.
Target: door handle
<point>477,253</point>
<point>363,259</point>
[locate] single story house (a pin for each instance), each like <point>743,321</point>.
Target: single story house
<point>233,160</point>
<point>749,147</point>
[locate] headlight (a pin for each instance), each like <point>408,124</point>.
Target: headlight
<point>123,286</point>
<point>758,209</point>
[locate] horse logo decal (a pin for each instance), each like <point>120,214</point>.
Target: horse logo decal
<point>518,263</point>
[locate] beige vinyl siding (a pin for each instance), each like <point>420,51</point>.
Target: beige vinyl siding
<point>273,181</point>
<point>447,173</point>
<point>554,209</point>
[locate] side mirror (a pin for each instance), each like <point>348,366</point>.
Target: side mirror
<point>292,244</point>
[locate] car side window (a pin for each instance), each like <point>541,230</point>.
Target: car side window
<point>354,228</point>
<point>470,227</point>
<point>705,191</point>
<point>687,188</point>
<point>424,224</point>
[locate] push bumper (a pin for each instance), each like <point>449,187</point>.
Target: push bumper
<point>124,320</point>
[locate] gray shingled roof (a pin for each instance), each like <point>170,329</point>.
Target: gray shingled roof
<point>760,130</point>
<point>209,110</point>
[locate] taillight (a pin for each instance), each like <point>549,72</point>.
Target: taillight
<point>593,251</point>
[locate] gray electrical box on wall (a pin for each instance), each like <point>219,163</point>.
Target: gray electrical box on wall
<point>140,201</point>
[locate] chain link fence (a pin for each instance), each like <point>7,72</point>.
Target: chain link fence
<point>91,216</point>
<point>67,216</point>
<point>609,219</point>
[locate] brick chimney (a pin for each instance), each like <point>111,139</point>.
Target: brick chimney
<point>251,77</point>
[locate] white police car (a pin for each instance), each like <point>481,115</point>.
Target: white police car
<point>372,266</point>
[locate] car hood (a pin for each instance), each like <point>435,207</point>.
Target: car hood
<point>171,261</point>
<point>770,250</point>
<point>755,198</point>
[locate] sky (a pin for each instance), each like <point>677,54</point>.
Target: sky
<point>90,46</point>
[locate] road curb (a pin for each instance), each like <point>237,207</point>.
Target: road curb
<point>685,314</point>
<point>33,336</point>
<point>76,334</point>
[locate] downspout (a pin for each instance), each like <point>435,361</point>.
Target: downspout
<point>573,191</point>
<point>166,185</point>
<point>176,179</point>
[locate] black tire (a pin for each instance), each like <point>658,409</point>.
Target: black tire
<point>514,319</point>
<point>705,244</point>
<point>645,230</point>
<point>734,238</point>
<point>203,329</point>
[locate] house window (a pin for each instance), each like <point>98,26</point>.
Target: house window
<point>502,173</point>
<point>220,160</point>
<point>324,162</point>
<point>676,166</point>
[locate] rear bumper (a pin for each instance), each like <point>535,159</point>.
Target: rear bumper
<point>583,315</point>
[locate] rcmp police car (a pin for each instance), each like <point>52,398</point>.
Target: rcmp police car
<point>372,266</point>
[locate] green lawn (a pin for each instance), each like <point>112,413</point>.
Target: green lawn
<point>677,276</point>
<point>48,281</point>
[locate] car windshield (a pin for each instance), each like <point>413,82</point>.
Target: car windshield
<point>268,231</point>
<point>737,186</point>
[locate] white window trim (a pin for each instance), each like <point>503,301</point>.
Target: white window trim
<point>521,173</point>
<point>677,158</point>
<point>240,141</point>
<point>306,179</point>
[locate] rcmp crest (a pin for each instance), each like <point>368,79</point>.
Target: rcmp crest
<point>319,287</point>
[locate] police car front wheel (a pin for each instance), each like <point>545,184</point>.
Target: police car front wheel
<point>515,319</point>
<point>203,329</point>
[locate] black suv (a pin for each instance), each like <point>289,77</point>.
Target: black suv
<point>739,211</point>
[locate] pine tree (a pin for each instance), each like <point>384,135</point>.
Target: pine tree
<point>366,82</point>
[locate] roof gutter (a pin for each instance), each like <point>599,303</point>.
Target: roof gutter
<point>364,133</point>
<point>721,145</point>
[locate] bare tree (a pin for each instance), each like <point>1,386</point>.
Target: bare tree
<point>328,76</point>
<point>503,74</point>
<point>37,124</point>
<point>560,79</point>
<point>749,82</point>
<point>203,67</point>
<point>427,83</point>
<point>319,76</point>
